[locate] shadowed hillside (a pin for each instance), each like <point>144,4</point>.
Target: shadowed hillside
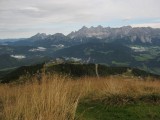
<point>73,70</point>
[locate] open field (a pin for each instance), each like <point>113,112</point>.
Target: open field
<point>58,97</point>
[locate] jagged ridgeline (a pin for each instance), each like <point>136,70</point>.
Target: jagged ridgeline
<point>73,70</point>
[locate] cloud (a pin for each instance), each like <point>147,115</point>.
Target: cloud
<point>31,9</point>
<point>18,56</point>
<point>33,16</point>
<point>153,25</point>
<point>127,19</point>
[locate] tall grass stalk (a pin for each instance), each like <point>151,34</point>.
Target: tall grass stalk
<point>52,99</point>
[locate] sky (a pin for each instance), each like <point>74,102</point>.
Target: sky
<point>24,18</point>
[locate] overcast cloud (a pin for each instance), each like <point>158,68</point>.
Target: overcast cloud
<point>23,18</point>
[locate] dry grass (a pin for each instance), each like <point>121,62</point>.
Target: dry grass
<point>57,97</point>
<point>53,99</point>
<point>121,90</point>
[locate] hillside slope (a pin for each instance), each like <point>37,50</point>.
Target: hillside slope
<point>73,70</point>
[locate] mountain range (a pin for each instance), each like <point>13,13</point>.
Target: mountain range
<point>137,34</point>
<point>144,34</point>
<point>124,46</point>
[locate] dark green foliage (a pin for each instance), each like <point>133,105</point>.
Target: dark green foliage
<point>79,70</point>
<point>15,74</point>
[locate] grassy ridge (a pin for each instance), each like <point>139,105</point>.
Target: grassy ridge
<point>89,70</point>
<point>74,70</point>
<point>12,75</point>
<point>60,97</point>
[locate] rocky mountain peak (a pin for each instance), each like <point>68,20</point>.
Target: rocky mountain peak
<point>40,36</point>
<point>143,34</point>
<point>84,28</point>
<point>59,35</point>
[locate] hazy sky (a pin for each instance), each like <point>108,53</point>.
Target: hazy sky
<point>24,18</point>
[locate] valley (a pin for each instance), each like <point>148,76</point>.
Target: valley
<point>125,46</point>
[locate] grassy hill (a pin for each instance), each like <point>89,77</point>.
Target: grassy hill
<point>7,76</point>
<point>73,70</point>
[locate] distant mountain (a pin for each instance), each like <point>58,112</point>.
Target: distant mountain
<point>54,40</point>
<point>43,40</point>
<point>38,36</point>
<point>28,41</point>
<point>125,34</point>
<point>6,41</point>
<point>141,34</point>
